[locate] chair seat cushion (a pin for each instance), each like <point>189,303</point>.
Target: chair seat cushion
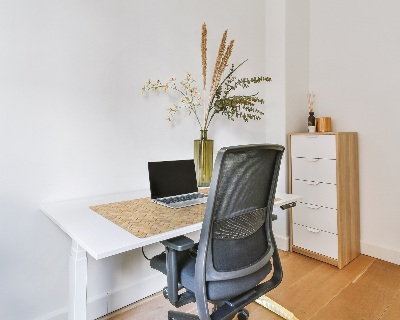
<point>216,290</point>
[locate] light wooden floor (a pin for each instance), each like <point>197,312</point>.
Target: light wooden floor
<point>367,289</point>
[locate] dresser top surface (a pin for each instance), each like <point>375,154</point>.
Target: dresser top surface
<point>319,133</point>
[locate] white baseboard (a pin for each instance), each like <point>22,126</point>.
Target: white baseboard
<point>61,314</point>
<point>118,298</point>
<point>369,249</point>
<point>121,297</point>
<point>282,242</point>
<point>382,253</point>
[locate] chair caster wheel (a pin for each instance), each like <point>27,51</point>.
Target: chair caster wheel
<point>165,293</point>
<point>243,314</point>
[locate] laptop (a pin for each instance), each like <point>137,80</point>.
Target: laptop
<point>173,184</point>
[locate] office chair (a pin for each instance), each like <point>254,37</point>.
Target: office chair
<point>233,257</point>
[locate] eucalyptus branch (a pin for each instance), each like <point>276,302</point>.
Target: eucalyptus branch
<point>217,91</point>
<point>227,77</point>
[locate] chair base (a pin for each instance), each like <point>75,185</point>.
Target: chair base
<point>243,314</point>
<point>176,315</point>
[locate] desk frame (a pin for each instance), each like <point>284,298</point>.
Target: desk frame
<point>77,220</point>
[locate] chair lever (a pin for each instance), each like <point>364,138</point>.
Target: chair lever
<point>288,205</point>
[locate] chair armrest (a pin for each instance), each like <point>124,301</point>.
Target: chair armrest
<point>180,243</point>
<point>173,245</point>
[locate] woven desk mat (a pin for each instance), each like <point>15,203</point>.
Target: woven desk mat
<point>143,218</point>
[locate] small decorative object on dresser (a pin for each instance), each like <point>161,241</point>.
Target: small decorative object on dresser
<point>323,168</point>
<point>311,117</point>
<point>324,124</point>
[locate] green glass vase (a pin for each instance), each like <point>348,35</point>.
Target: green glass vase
<point>203,159</point>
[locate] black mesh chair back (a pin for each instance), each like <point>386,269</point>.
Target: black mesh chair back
<point>236,244</point>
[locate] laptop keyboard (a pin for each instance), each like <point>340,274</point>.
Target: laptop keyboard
<point>182,200</point>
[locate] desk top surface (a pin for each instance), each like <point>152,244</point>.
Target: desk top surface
<point>100,237</point>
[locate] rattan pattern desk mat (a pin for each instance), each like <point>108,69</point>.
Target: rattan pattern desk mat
<point>143,218</point>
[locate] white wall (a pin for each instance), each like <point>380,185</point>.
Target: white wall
<point>287,57</point>
<point>297,47</point>
<point>347,53</point>
<point>355,72</point>
<point>74,124</point>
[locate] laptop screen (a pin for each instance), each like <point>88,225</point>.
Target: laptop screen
<point>171,178</point>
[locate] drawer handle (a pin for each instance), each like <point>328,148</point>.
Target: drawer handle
<point>312,159</point>
<point>312,183</point>
<point>313,230</point>
<point>312,206</point>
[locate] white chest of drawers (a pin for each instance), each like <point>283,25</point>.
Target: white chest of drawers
<point>323,168</point>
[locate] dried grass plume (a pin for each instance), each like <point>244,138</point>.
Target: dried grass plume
<point>204,54</point>
<point>221,63</point>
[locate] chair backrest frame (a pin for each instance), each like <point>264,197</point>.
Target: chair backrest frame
<point>204,269</point>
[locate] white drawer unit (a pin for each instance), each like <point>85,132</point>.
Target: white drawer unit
<point>318,193</point>
<point>312,169</point>
<point>315,216</point>
<point>314,146</point>
<point>316,240</point>
<point>323,168</point>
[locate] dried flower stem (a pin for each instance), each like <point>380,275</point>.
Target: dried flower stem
<point>218,62</point>
<point>204,54</point>
<point>222,63</point>
<point>310,98</point>
<point>221,68</point>
<point>204,65</point>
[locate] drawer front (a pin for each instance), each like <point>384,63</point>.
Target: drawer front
<point>313,146</point>
<point>315,217</point>
<point>311,169</point>
<point>316,241</point>
<point>321,194</point>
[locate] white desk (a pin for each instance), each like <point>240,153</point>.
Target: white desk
<point>93,234</point>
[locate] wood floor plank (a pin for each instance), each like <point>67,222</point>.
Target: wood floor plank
<point>295,267</point>
<point>371,295</point>
<point>155,308</point>
<point>284,254</point>
<point>365,304</point>
<point>311,293</point>
<point>393,311</point>
<point>367,289</point>
<point>377,277</point>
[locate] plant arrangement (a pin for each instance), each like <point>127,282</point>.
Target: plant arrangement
<point>311,118</point>
<point>221,97</point>
<point>310,99</point>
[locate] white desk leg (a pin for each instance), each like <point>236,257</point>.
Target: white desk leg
<point>77,283</point>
